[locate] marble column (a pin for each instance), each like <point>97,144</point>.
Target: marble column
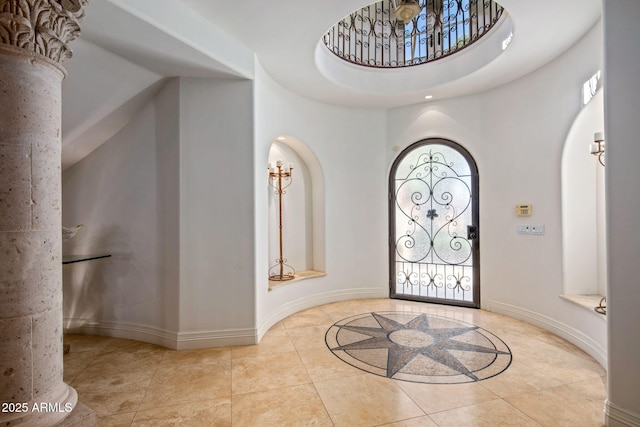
<point>34,37</point>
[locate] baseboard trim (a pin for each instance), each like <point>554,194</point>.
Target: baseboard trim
<point>315,300</point>
<point>615,416</point>
<point>219,338</point>
<point>169,339</point>
<point>574,336</point>
<point>121,330</point>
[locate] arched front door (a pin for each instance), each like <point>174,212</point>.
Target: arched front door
<point>433,224</point>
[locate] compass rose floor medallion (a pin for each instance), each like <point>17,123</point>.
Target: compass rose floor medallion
<point>418,347</point>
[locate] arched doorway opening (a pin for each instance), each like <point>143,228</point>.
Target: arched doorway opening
<point>434,248</point>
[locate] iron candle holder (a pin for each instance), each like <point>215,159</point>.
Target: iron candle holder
<point>280,179</point>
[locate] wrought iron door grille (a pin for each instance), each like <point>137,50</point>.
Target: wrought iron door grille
<point>434,215</point>
<point>439,281</point>
<point>374,37</point>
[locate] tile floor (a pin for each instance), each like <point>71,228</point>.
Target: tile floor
<point>292,379</point>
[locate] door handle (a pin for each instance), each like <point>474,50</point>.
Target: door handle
<point>472,232</point>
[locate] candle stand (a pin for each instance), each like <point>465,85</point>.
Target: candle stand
<point>279,180</point>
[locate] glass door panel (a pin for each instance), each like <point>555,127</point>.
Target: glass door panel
<point>434,224</point>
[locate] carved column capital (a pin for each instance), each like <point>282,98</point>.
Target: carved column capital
<point>41,27</point>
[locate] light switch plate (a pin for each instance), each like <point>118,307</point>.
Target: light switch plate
<point>538,230</point>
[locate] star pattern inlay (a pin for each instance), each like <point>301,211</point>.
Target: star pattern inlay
<point>406,341</point>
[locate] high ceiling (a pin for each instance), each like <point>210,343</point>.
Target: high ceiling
<point>285,37</point>
<point>284,34</point>
<point>128,47</point>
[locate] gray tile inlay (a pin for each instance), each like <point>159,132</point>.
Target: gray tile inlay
<point>418,347</point>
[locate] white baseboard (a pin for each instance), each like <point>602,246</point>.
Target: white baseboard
<point>574,336</point>
<point>121,330</point>
<point>169,339</point>
<point>304,303</point>
<point>615,416</point>
<point>219,338</point>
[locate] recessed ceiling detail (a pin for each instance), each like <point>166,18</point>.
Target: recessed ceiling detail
<point>385,35</point>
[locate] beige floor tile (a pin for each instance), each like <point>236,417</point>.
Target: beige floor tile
<point>129,346</point>
<point>595,388</point>
<point>387,305</point>
<point>273,342</point>
<point>195,357</point>
<point>342,310</point>
<point>487,414</point>
<point>423,421</point>
<point>252,374</point>
<point>564,371</point>
<point>517,379</point>
<point>289,406</point>
<point>78,343</point>
<point>441,397</point>
<point>204,413</point>
<point>365,400</point>
<point>308,337</point>
<point>311,317</point>
<point>322,365</point>
<point>536,349</point>
<point>559,407</point>
<point>450,312</point>
<point>354,305</point>
<point>118,420</point>
<point>114,393</point>
<point>278,326</point>
<point>291,378</point>
<point>75,363</point>
<point>121,356</point>
<point>182,384</point>
<point>493,323</point>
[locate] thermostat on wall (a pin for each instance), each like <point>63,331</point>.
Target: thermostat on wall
<point>523,210</point>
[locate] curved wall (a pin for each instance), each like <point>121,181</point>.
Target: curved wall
<point>296,214</point>
<point>347,143</point>
<point>186,278</point>
<point>583,222</point>
<point>516,132</point>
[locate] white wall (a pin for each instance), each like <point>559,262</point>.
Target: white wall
<point>124,195</point>
<point>516,134</point>
<point>100,95</point>
<point>170,197</point>
<point>582,205</point>
<point>348,144</point>
<point>622,127</point>
<point>217,264</point>
<point>225,129</point>
<point>297,212</point>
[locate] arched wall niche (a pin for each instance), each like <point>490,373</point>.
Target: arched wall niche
<point>583,206</point>
<point>303,236</point>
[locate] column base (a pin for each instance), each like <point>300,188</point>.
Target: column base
<point>46,411</point>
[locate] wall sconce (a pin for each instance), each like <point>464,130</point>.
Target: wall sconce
<point>597,148</point>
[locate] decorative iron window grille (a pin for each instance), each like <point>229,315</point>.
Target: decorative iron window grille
<point>374,37</point>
